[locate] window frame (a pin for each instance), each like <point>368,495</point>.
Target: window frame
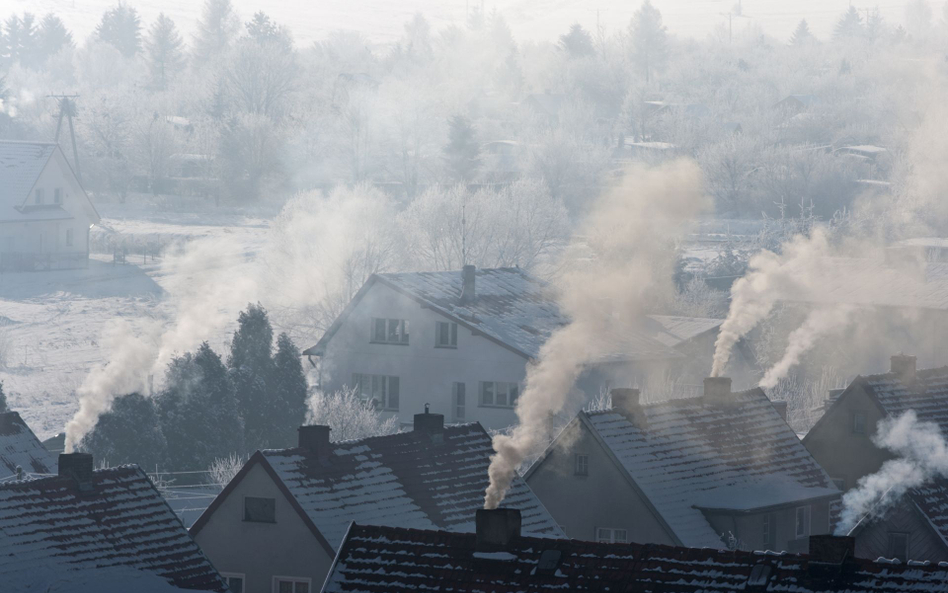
<point>455,406</point>
<point>69,239</point>
<point>889,546</point>
<point>235,575</point>
<point>402,329</point>
<point>247,520</point>
<point>769,531</point>
<point>581,464</point>
<point>613,533</point>
<point>807,519</point>
<point>367,393</point>
<point>58,196</point>
<point>39,196</point>
<point>511,394</point>
<point>856,428</point>
<point>277,579</point>
<point>452,335</point>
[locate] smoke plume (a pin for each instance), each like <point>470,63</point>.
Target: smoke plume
<point>923,456</point>
<point>819,323</point>
<point>618,264</point>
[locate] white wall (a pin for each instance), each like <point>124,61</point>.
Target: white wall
<point>425,373</point>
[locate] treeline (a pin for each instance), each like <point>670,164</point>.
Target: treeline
<point>207,408</point>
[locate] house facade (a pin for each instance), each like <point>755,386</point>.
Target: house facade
<point>45,215</point>
<point>722,470</point>
<point>279,522</point>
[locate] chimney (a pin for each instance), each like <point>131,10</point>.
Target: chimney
<point>467,284</point>
<point>718,388</point>
<point>77,467</point>
<point>315,439</point>
<point>904,366</point>
<point>496,527</point>
<point>430,424</point>
<point>626,401</point>
<point>832,549</point>
<point>781,407</point>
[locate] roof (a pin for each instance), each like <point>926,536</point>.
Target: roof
<point>927,395</point>
<point>20,166</point>
<point>403,480</point>
<point>391,560</point>
<point>695,453</point>
<point>931,500</point>
<point>19,447</point>
<point>675,330</point>
<point>123,522</point>
<point>512,308</point>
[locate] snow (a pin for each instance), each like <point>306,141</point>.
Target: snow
<point>503,556</point>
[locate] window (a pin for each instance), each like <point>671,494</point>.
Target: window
<point>610,536</point>
<point>446,334</point>
<point>389,331</point>
<point>58,195</point>
<point>770,531</point>
<point>68,237</point>
<point>39,196</point>
<point>290,585</point>
<point>234,581</point>
<point>898,546</point>
<point>859,423</point>
<point>259,510</point>
<point>581,466</point>
<point>499,394</point>
<point>379,390</point>
<point>802,522</point>
<point>840,484</point>
<point>459,397</point>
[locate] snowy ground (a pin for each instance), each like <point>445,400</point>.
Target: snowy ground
<point>534,20</point>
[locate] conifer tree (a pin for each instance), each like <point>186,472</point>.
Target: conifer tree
<point>649,39</point>
<point>801,35</point>
<point>462,153</point>
<point>288,391</point>
<point>165,51</point>
<point>849,25</point>
<point>128,433</point>
<point>52,37</point>
<point>12,48</point>
<point>121,28</point>
<point>578,43</point>
<point>251,370</point>
<point>216,30</point>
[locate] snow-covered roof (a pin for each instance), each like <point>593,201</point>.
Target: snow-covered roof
<point>927,394</point>
<point>701,453</point>
<point>121,522</point>
<point>405,480</point>
<point>674,330</point>
<point>19,447</point>
<point>511,307</point>
<point>391,560</point>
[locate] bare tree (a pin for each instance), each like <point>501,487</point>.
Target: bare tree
<point>348,416</point>
<point>223,469</point>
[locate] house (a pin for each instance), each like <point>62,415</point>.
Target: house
<point>795,104</point>
<point>281,519</point>
<point>97,528</point>
<point>21,453</point>
<point>841,441</point>
<point>459,341</point>
<point>497,558</point>
<point>719,470</point>
<point>45,215</point>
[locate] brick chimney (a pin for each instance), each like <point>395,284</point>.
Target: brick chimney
<point>832,549</point>
<point>496,527</point>
<point>315,439</point>
<point>430,424</point>
<point>77,467</point>
<point>781,407</point>
<point>718,388</point>
<point>468,293</point>
<point>626,401</point>
<point>903,366</point>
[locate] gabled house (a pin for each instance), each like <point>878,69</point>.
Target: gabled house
<point>279,522</point>
<point>794,104</point>
<point>45,215</point>
<point>497,558</point>
<point>461,342</point>
<point>719,470</point>
<point>914,526</point>
<point>21,453</point>
<point>106,530</point>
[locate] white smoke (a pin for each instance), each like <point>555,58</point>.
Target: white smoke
<point>630,233</point>
<point>819,324</point>
<point>923,455</point>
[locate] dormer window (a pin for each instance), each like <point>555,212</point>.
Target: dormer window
<point>389,331</point>
<point>859,423</point>
<point>39,197</point>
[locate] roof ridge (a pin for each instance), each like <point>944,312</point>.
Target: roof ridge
<point>372,438</point>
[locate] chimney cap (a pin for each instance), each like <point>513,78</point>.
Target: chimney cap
<point>432,424</point>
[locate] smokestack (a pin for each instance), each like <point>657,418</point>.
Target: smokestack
<point>781,407</point>
<point>903,366</point>
<point>430,424</point>
<point>78,468</point>
<point>315,439</point>
<point>832,549</point>
<point>467,284</point>
<point>627,402</point>
<point>496,527</point>
<point>717,388</point>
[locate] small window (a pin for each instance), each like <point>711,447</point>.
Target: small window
<point>459,397</point>
<point>259,510</point>
<point>58,195</point>
<point>898,546</point>
<point>802,522</point>
<point>68,237</point>
<point>446,334</point>
<point>499,394</point>
<point>840,484</point>
<point>234,582</point>
<point>380,391</point>
<point>389,331</point>
<point>770,531</point>
<point>610,535</point>
<point>290,585</point>
<point>39,196</point>
<point>859,423</point>
<point>581,467</point>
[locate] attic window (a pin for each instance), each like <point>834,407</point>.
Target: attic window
<point>859,423</point>
<point>549,561</point>
<point>259,510</point>
<point>759,576</point>
<point>389,331</point>
<point>611,536</point>
<point>898,546</point>
<point>582,465</point>
<point>39,196</point>
<point>58,195</point>
<point>446,334</point>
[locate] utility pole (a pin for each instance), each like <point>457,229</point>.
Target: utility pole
<point>67,108</point>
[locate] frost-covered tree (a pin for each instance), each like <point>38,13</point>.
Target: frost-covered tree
<point>649,40</point>
<point>52,37</point>
<point>18,43</point>
<point>918,18</point>
<point>165,51</point>
<point>3,400</point>
<point>801,35</point>
<point>121,27</point>
<point>263,73</point>
<point>348,416</point>
<point>849,26</point>
<point>288,393</point>
<point>223,469</point>
<point>250,155</point>
<point>578,43</point>
<point>875,27</point>
<point>462,153</point>
<point>263,31</point>
<point>251,371</point>
<point>216,30</point>
<point>130,432</point>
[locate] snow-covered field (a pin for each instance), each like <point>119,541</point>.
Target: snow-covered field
<point>535,20</point>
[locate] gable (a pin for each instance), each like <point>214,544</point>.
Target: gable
<point>19,447</point>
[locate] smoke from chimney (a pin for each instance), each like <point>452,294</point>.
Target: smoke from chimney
<point>819,323</point>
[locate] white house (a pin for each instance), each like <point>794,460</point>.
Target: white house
<point>45,215</point>
<point>461,342</point>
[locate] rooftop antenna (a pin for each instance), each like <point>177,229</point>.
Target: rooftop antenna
<point>67,108</point>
